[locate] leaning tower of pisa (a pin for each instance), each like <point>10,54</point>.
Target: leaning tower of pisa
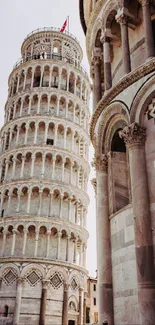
<point>43,184</point>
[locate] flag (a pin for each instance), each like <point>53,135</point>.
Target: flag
<point>64,26</point>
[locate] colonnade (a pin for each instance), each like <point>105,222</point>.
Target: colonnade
<point>49,76</point>
<point>54,105</point>
<point>50,166</point>
<point>123,17</point>
<point>73,211</point>
<point>74,250</point>
<point>39,132</point>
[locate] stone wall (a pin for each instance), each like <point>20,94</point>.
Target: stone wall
<point>124,268</point>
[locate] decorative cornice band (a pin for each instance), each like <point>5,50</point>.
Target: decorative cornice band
<point>124,83</point>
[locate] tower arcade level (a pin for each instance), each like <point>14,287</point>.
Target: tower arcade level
<point>43,184</point>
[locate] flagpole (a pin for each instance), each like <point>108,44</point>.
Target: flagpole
<point>68,23</point>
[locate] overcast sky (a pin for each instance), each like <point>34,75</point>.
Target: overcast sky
<point>17,19</point>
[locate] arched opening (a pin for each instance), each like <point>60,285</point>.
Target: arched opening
<point>118,144</point>
<point>55,77</point>
<point>71,322</point>
<point>37,77</point>
<point>118,171</point>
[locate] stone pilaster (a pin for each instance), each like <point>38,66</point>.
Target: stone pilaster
<point>134,137</point>
<point>104,265</point>
<point>65,305</point>
<point>16,320</point>
<point>149,39</point>
<point>42,320</point>
<point>84,308</point>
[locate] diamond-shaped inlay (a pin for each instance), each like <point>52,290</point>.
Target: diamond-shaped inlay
<point>10,276</point>
<point>56,280</point>
<point>73,284</point>
<point>33,278</point>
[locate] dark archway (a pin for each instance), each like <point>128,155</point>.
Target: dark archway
<point>118,144</point>
<point>71,322</point>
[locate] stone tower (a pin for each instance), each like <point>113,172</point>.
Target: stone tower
<point>43,184</point>
<point>120,40</point>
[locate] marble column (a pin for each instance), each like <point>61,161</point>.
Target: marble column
<point>65,305</point>
<point>67,247</point>
<point>24,241</point>
<point>16,319</point>
<point>104,265</point>
<point>36,243</point>
<point>123,21</point>
<point>58,245</point>
<point>13,242</point>
<point>4,242</point>
<point>75,251</point>
<point>32,165</point>
<point>107,63</point>
<point>80,320</point>
<point>42,320</point>
<point>22,166</point>
<point>28,201</point>
<point>134,137</point>
<point>149,39</point>
<point>13,167</point>
<point>48,243</point>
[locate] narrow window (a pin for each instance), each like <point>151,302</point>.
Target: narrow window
<point>2,213</point>
<point>94,301</point>
<point>94,287</point>
<point>50,142</point>
<point>6,311</point>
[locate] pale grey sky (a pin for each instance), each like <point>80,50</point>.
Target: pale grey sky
<point>17,19</point>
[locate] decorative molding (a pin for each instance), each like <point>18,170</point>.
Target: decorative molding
<point>124,83</point>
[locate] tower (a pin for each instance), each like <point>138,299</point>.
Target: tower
<point>120,41</point>
<point>43,184</point>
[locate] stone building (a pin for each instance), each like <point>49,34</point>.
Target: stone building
<point>120,43</point>
<point>43,184</point>
<point>91,301</point>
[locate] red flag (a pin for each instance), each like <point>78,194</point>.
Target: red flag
<point>64,26</point>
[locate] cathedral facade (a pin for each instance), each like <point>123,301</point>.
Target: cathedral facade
<point>120,44</point>
<point>43,184</point>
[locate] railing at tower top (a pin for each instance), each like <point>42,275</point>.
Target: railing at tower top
<point>50,57</point>
<point>51,29</point>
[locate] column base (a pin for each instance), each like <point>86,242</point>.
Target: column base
<point>106,304</point>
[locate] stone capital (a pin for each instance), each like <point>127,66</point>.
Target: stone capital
<point>145,2</point>
<point>100,163</point>
<point>122,19</point>
<point>20,281</point>
<point>133,134</point>
<point>66,286</point>
<point>81,290</point>
<point>45,284</point>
